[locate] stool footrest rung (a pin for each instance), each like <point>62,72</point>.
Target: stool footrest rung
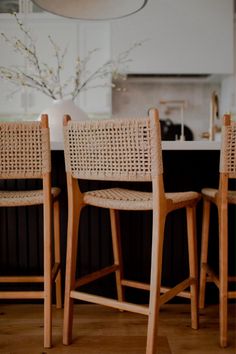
<point>232,294</point>
<point>55,270</point>
<point>211,275</point>
<point>169,293</point>
<point>173,291</point>
<point>100,300</point>
<point>96,275</point>
<point>135,284</point>
<point>22,295</point>
<point>22,279</point>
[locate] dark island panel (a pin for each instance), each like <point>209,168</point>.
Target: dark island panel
<point>21,228</point>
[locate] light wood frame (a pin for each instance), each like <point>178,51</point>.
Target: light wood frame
<point>220,197</point>
<point>163,203</point>
<point>48,197</point>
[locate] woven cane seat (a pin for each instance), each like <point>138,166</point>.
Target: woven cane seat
<point>119,198</point>
<point>211,193</point>
<point>125,199</point>
<point>24,198</point>
<point>182,197</point>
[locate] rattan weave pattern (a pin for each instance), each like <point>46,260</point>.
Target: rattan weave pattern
<point>126,199</point>
<point>119,149</point>
<point>119,198</point>
<point>24,150</point>
<point>228,150</point>
<point>24,198</point>
<point>211,192</point>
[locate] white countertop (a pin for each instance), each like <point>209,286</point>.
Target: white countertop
<point>191,145</point>
<point>170,145</point>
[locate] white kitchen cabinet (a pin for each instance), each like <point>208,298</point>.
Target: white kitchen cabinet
<point>96,36</point>
<point>182,37</point>
<point>79,38</point>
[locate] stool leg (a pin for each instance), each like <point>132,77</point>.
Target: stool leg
<point>223,247</point>
<point>57,252</point>
<point>204,252</point>
<point>193,264</point>
<point>156,271</point>
<point>116,243</point>
<point>74,211</point>
<point>47,211</point>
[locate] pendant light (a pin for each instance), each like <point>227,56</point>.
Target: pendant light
<point>91,9</point>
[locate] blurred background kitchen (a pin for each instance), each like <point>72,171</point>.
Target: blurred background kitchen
<point>185,64</point>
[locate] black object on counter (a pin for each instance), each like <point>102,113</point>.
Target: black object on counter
<point>171,131</point>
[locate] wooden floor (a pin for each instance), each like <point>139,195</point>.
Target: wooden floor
<point>100,330</point>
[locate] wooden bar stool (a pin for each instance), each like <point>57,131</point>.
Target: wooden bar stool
<point>25,154</point>
<point>221,197</point>
<point>124,150</point>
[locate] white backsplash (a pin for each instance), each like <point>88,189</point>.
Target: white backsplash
<point>138,97</point>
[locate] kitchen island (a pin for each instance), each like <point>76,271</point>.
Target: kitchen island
<point>187,166</point>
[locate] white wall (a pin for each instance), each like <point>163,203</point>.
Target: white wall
<point>138,98</point>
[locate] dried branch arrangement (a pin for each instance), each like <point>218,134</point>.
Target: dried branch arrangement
<point>46,78</point>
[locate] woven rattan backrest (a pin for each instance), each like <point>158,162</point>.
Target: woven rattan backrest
<point>24,149</point>
<point>119,149</point>
<point>228,147</point>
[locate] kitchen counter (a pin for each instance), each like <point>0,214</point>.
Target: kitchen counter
<point>170,145</point>
<point>191,145</point>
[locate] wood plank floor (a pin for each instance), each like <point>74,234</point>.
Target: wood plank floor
<point>100,330</point>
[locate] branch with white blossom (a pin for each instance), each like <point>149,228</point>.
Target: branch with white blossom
<point>46,79</point>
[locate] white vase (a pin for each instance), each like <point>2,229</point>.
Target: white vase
<point>56,112</point>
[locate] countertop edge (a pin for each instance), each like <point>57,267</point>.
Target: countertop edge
<point>191,145</point>
<point>168,145</point>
